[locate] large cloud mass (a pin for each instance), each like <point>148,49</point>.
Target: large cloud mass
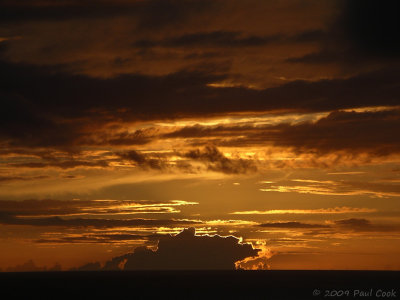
<point>186,251</point>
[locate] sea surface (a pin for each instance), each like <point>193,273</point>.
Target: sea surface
<point>201,285</point>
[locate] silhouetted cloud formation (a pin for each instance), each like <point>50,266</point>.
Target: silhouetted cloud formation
<point>30,266</point>
<point>217,161</point>
<point>143,161</point>
<point>185,251</point>
<point>212,158</point>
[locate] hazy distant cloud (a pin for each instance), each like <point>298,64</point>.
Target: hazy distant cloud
<point>187,251</point>
<point>329,227</point>
<point>353,223</point>
<point>292,225</point>
<point>356,226</point>
<point>365,225</point>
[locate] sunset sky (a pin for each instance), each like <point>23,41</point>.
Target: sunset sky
<point>273,121</point>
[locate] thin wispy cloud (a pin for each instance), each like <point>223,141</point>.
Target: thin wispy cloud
<point>335,210</point>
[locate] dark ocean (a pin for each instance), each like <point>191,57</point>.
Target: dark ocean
<point>202,285</point>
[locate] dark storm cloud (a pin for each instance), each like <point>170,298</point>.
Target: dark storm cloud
<point>373,26</point>
<point>158,13</point>
<point>23,11</point>
<point>186,251</point>
<point>365,32</point>
<point>149,13</point>
<point>31,116</point>
<point>179,94</point>
<point>292,225</point>
<point>23,120</point>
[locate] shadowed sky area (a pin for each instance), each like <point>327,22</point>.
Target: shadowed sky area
<point>125,122</point>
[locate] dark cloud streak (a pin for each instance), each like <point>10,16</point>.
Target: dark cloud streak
<point>7,219</point>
